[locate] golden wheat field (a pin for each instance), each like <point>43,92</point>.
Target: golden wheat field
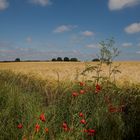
<point>130,71</point>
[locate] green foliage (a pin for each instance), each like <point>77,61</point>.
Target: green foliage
<point>21,104</point>
<point>53,59</point>
<point>74,59</point>
<point>16,107</point>
<point>96,60</point>
<point>17,60</point>
<point>59,59</point>
<point>66,59</point>
<point>108,52</point>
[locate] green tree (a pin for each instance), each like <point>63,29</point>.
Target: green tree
<point>66,59</point>
<point>17,60</point>
<point>59,59</point>
<point>53,59</point>
<point>74,59</point>
<point>96,59</point>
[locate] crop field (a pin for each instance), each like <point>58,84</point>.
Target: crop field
<point>130,70</point>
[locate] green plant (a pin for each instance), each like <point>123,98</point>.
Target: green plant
<point>107,55</point>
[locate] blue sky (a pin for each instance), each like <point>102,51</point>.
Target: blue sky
<point>43,29</point>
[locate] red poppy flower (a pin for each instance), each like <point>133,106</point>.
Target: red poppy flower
<point>37,127</point>
<point>46,130</point>
<point>65,126</point>
<point>81,84</point>
<point>83,121</point>
<point>81,114</point>
<point>20,126</point>
<point>112,109</point>
<point>42,117</point>
<point>90,132</point>
<point>82,91</point>
<point>74,94</point>
<point>98,88</point>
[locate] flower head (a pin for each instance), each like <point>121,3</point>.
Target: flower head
<point>46,130</point>
<point>83,121</point>
<point>81,114</point>
<point>42,117</point>
<point>90,132</point>
<point>20,126</point>
<point>82,91</point>
<point>98,88</point>
<point>37,127</point>
<point>112,109</point>
<point>65,126</point>
<point>75,94</point>
<point>81,84</point>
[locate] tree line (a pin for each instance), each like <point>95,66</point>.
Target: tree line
<point>65,59</point>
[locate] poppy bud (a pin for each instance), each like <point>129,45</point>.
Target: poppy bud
<point>42,117</point>
<point>83,121</point>
<point>20,126</point>
<point>37,127</point>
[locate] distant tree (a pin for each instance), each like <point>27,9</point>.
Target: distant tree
<point>54,59</point>
<point>96,59</point>
<point>74,59</point>
<point>17,60</point>
<point>59,59</point>
<point>66,59</point>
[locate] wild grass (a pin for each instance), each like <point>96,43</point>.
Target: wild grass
<point>23,98</point>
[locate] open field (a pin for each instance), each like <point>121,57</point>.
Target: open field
<point>35,106</point>
<point>130,71</point>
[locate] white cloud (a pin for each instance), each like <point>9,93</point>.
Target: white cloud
<point>127,44</point>
<point>133,28</point>
<point>87,33</point>
<point>3,4</point>
<point>29,39</point>
<point>41,2</point>
<point>138,52</point>
<point>64,28</point>
<point>120,4</point>
<point>92,46</point>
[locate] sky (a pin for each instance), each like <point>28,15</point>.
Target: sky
<point>46,29</point>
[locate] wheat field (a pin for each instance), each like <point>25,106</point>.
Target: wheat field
<point>130,70</point>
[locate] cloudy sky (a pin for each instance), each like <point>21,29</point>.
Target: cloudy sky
<point>43,29</point>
